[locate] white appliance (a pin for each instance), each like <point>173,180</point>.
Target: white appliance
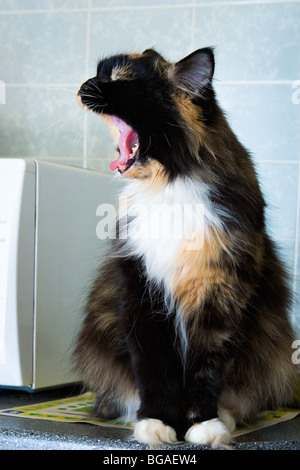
<point>49,254</point>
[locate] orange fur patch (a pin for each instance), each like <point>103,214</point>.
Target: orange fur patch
<point>198,271</point>
<point>192,120</point>
<point>135,55</point>
<point>152,173</point>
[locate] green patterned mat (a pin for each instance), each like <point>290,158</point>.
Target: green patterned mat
<point>78,409</point>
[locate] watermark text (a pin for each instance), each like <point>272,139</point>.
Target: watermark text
<point>2,92</point>
<point>296,93</point>
<point>152,222</point>
<point>296,353</point>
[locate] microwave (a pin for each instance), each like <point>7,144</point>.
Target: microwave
<point>49,256</point>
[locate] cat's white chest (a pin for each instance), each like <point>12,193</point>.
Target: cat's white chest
<point>158,225</point>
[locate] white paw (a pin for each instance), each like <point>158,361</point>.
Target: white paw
<point>212,432</point>
<point>154,432</point>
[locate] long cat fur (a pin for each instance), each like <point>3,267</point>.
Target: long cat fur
<point>186,342</point>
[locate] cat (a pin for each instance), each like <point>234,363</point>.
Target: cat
<point>185,335</point>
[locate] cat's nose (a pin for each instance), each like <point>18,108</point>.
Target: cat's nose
<point>81,92</point>
<point>84,88</point>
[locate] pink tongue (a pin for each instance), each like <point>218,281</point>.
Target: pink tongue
<point>128,138</point>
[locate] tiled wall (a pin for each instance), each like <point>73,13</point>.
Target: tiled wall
<point>48,47</point>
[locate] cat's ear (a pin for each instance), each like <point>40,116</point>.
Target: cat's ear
<point>194,73</point>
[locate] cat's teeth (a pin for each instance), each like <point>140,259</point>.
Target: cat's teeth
<point>134,149</point>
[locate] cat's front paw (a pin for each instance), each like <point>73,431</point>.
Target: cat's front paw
<point>213,432</point>
<point>154,432</point>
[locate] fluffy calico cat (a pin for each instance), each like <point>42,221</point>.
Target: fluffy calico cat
<point>186,334</point>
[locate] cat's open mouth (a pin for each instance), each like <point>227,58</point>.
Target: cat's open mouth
<point>128,142</point>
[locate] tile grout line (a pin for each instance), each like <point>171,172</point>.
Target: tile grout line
<point>87,53</point>
<point>193,27</point>
<point>95,9</point>
<point>297,241</point>
<point>246,3</point>
<point>253,82</point>
<point>206,4</point>
<point>275,162</point>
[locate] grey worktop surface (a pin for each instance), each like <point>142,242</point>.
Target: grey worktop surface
<point>32,434</point>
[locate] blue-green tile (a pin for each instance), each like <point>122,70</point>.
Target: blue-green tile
<point>41,123</point>
<point>167,30</point>
<point>43,48</point>
<point>253,42</point>
<point>279,183</point>
<point>138,3</point>
<point>296,309</point>
<point>264,118</point>
<point>22,5</point>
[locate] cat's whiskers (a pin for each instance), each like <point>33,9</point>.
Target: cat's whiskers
<point>65,122</point>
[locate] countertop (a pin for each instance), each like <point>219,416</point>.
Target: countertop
<point>31,434</point>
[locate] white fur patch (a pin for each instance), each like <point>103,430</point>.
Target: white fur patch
<point>154,432</point>
<point>163,222</point>
<point>213,432</point>
<point>131,405</point>
<point>115,73</point>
